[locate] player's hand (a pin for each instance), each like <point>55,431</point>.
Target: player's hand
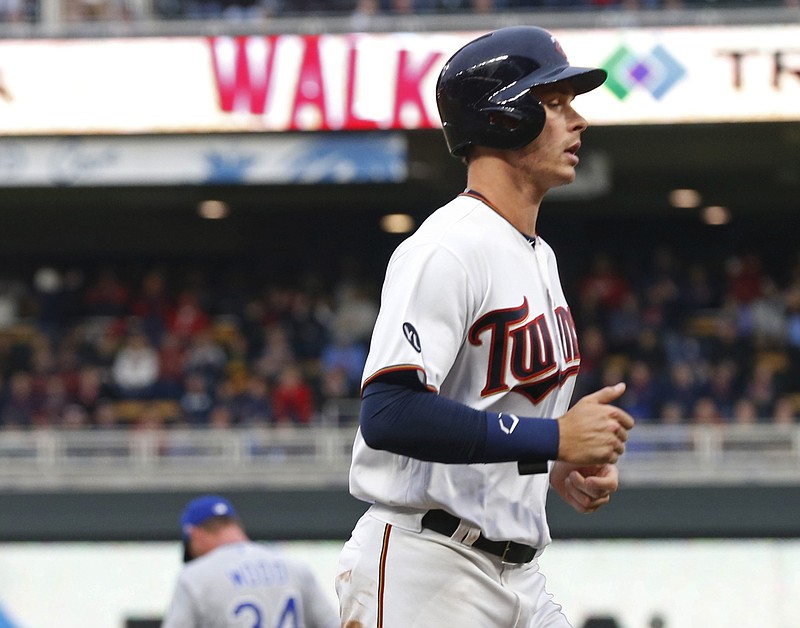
<point>593,431</point>
<point>584,488</point>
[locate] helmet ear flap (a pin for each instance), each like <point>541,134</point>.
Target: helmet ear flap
<point>510,128</point>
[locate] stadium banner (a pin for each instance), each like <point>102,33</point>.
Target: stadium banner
<point>286,158</point>
<point>376,81</point>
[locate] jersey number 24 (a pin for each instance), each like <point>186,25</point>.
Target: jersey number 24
<point>288,618</point>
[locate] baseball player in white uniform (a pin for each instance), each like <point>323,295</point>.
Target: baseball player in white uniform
<point>466,419</point>
<point>230,581</point>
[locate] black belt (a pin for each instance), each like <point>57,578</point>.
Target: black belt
<point>508,551</point>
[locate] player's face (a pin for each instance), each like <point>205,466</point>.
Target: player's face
<point>550,160</point>
<point>199,542</point>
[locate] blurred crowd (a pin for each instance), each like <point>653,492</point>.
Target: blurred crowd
<point>695,342</point>
<point>128,10</point>
<point>104,346</point>
<point>101,347</point>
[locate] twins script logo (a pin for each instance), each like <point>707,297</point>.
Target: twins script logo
<point>524,351</point>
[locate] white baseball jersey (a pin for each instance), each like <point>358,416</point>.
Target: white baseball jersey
<point>480,314</point>
<point>247,585</point>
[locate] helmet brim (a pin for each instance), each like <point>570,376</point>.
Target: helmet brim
<point>582,80</point>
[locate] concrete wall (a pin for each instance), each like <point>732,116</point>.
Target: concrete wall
<point>638,512</point>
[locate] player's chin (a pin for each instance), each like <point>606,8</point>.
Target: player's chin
<point>564,176</point>
<point>569,169</point>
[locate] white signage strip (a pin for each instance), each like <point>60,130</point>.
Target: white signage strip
<point>720,582</point>
<point>291,158</point>
<point>694,75</point>
<point>375,81</point>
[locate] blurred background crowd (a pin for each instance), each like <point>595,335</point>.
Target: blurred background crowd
<point>122,10</point>
<point>697,341</point>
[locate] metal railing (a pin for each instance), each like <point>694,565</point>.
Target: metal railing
<point>159,458</point>
<point>712,454</point>
<point>319,456</point>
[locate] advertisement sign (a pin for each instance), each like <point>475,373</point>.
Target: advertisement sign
<point>376,81</point>
<point>219,159</point>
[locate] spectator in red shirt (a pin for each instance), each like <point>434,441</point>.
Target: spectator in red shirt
<point>292,398</point>
<point>189,317</point>
<point>604,284</point>
<point>745,278</point>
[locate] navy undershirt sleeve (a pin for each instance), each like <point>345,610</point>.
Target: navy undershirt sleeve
<point>415,422</point>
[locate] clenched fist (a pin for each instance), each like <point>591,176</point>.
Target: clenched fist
<point>593,431</point>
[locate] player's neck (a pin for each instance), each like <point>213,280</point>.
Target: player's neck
<point>518,207</point>
<point>231,534</point>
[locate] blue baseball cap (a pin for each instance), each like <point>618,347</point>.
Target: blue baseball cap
<point>200,510</point>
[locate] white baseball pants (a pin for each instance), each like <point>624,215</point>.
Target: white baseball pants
<point>390,577</point>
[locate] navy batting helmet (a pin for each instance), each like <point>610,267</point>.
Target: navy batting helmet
<point>494,74</point>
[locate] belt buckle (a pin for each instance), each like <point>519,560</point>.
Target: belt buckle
<point>505,551</point>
